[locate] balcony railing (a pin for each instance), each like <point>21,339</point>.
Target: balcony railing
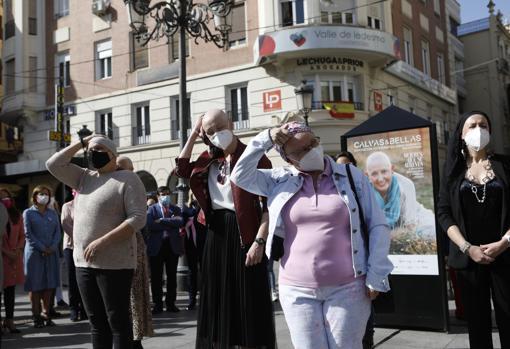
<point>141,135</point>
<point>317,105</point>
<point>176,133</point>
<point>458,46</point>
<point>241,124</point>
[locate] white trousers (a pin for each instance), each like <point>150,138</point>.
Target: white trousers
<point>326,317</point>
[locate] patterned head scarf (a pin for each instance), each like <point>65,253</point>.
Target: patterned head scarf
<point>293,128</point>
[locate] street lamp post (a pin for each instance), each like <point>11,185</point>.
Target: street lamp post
<point>304,96</point>
<point>189,18</point>
<point>82,133</point>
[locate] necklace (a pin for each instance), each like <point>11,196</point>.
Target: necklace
<point>474,190</point>
<point>489,175</point>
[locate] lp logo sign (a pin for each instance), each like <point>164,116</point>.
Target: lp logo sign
<point>272,100</point>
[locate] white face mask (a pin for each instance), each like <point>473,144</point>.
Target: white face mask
<point>477,138</point>
<point>222,139</point>
<point>313,160</point>
<point>42,199</point>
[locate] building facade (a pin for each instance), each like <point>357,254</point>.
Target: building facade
<point>487,47</point>
<point>356,54</point>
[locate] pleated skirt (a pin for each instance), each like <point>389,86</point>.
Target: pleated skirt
<point>235,305</point>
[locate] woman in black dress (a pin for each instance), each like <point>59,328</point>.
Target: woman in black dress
<point>473,210</point>
<point>235,307</point>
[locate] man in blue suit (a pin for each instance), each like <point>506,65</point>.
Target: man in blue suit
<point>164,246</point>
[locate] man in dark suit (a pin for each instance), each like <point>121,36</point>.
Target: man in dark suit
<point>164,246</point>
<point>194,241</point>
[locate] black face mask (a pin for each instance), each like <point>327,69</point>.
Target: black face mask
<point>99,159</point>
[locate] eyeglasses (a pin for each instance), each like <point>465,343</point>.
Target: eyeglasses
<point>298,154</point>
<point>222,175</point>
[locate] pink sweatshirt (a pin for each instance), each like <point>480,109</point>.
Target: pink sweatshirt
<point>318,236</point>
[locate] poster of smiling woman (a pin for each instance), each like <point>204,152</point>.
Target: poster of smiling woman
<point>399,167</point>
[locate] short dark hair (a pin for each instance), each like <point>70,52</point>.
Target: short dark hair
<point>348,155</point>
<point>162,189</point>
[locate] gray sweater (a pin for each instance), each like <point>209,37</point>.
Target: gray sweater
<point>104,202</point>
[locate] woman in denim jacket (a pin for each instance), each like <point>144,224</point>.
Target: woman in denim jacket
<point>327,274</point>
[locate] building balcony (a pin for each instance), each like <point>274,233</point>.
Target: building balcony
<point>416,77</point>
<point>453,9</point>
<point>341,42</point>
<point>318,105</point>
<point>141,135</point>
<point>457,45</point>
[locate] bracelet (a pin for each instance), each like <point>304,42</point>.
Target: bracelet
<point>465,247</point>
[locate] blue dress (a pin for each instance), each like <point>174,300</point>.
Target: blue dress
<point>42,230</point>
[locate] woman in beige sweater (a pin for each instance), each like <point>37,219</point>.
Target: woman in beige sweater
<point>108,212</point>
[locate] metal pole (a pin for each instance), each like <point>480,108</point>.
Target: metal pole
<point>60,112</point>
<point>61,127</point>
<point>183,112</point>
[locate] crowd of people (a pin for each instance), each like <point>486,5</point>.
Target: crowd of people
<point>326,223</point>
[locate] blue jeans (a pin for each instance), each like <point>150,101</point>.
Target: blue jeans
<point>270,271</point>
<point>326,317</point>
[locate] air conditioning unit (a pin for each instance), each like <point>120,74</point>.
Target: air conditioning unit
<point>99,7</point>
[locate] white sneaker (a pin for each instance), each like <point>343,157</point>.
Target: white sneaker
<point>274,296</point>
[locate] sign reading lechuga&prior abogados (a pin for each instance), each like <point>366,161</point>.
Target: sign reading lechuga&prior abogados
<point>343,64</point>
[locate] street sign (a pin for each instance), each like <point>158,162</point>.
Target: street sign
<point>55,136</point>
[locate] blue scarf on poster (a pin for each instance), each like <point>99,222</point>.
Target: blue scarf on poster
<point>391,206</point>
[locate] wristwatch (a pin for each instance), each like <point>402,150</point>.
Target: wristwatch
<point>260,241</point>
<point>507,238</point>
<point>465,247</point>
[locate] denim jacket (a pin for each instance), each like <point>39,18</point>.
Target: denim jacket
<point>280,184</point>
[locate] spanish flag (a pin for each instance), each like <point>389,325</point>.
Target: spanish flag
<point>340,110</point>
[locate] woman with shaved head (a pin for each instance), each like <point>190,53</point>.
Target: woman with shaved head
<point>396,195</point>
<point>235,306</point>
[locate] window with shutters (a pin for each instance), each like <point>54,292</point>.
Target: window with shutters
<point>10,79</point>
<point>425,57</point>
<point>174,117</point>
<point>335,88</point>
<point>32,17</point>
<point>10,26</point>
<point>237,36</point>
<point>292,12</point>
<point>142,130</point>
<point>408,46</point>
<point>375,17</point>
<point>238,108</point>
<point>104,60</point>
<point>174,49</point>
<point>337,12</point>
<point>61,8</point>
<point>440,68</point>
<point>63,67</point>
<point>139,54</point>
<point>32,67</point>
<point>105,123</point>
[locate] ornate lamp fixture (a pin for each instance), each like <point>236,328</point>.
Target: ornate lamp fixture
<point>304,97</point>
<point>164,18</point>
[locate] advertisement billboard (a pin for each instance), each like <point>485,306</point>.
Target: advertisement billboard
<point>399,167</point>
